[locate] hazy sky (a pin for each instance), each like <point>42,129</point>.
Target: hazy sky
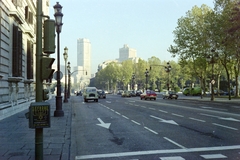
<point>145,25</point>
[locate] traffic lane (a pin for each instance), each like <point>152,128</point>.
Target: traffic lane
<point>161,151</point>
<point>228,105</point>
<point>123,135</point>
<point>217,119</point>
<point>216,134</point>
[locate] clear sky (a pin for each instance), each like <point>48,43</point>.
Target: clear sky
<point>145,25</point>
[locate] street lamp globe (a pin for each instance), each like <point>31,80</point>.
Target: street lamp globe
<point>58,17</point>
<point>68,67</point>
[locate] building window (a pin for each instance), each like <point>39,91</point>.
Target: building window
<point>29,60</point>
<point>28,15</point>
<point>17,52</point>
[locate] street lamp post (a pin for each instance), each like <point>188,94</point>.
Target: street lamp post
<point>146,75</point>
<point>168,68</point>
<point>69,79</point>
<point>133,78</point>
<point>58,20</point>
<point>65,55</point>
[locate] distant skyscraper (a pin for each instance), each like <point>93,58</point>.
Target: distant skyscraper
<point>84,57</point>
<point>126,53</point>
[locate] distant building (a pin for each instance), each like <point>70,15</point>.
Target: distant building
<point>105,63</point>
<point>125,53</point>
<point>83,60</point>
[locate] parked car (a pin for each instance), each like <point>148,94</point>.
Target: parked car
<point>220,92</point>
<point>170,95</point>
<point>196,91</point>
<point>133,94</point>
<point>138,93</point>
<point>126,94</point>
<point>90,93</point>
<point>101,94</point>
<point>79,93</point>
<point>149,94</point>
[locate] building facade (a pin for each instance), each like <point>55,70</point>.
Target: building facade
<point>17,54</point>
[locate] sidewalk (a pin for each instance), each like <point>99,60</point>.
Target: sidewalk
<point>17,140</point>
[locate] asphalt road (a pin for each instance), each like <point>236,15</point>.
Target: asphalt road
<point>130,128</point>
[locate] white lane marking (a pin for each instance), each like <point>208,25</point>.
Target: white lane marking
<point>162,111</point>
<point>179,145</point>
<point>112,110</point>
<point>236,107</point>
<point>214,108</point>
<point>117,113</point>
<point>125,117</point>
<point>178,115</point>
<point>225,126</point>
<point>139,153</point>
<point>143,106</point>
<point>209,115</point>
<point>213,156</point>
<point>136,122</point>
<point>152,109</point>
<point>150,130</point>
<point>206,107</point>
<point>108,101</point>
<point>195,119</point>
<point>172,158</point>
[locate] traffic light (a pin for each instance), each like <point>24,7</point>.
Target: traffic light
<point>49,36</point>
<point>46,68</point>
<point>45,94</point>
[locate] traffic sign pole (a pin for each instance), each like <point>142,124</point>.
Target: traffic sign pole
<point>39,84</point>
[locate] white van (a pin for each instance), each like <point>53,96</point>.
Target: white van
<point>90,93</point>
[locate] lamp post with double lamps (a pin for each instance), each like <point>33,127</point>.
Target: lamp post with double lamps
<point>58,22</point>
<point>69,79</point>
<point>146,75</point>
<point>65,56</point>
<point>168,68</point>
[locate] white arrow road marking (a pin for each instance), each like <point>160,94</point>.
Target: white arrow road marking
<point>104,125</point>
<point>223,118</point>
<point>164,121</point>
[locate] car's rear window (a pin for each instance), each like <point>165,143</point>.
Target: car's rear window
<point>91,90</point>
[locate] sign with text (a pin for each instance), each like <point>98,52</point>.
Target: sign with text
<point>39,115</point>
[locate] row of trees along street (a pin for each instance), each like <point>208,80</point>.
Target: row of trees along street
<point>207,42</point>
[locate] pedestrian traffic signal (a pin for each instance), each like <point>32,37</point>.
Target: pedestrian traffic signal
<point>46,68</point>
<point>45,94</point>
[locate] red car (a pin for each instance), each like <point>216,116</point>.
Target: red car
<point>149,94</point>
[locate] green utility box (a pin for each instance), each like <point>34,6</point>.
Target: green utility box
<point>39,115</point>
